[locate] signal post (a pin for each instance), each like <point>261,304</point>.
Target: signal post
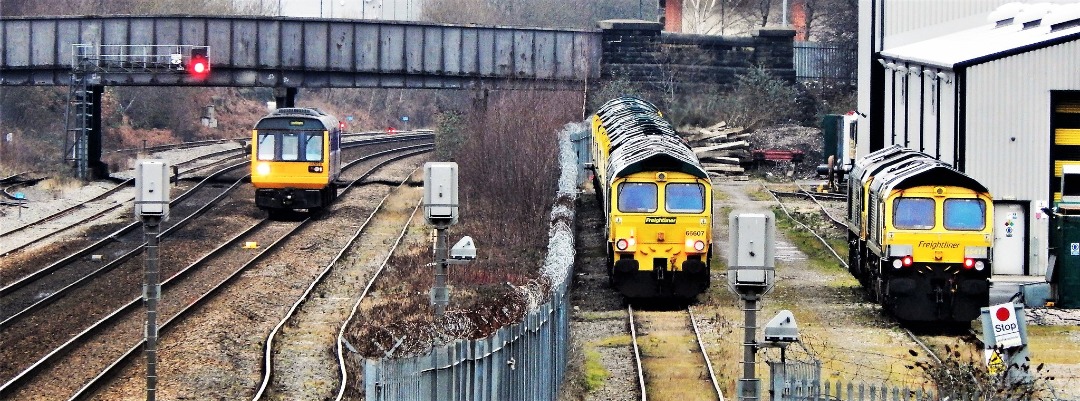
<point>751,275</point>
<point>152,206</point>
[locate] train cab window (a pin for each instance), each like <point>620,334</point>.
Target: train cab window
<point>684,198</point>
<point>290,147</point>
<point>965,214</point>
<point>637,197</point>
<point>313,147</point>
<point>913,213</point>
<point>266,146</point>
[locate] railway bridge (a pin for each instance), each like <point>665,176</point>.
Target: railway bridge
<point>87,53</point>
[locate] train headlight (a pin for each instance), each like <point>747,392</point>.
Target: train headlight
<point>897,263</point>
<point>699,245</point>
<point>902,262</point>
<point>622,244</point>
<point>262,169</point>
<point>980,265</point>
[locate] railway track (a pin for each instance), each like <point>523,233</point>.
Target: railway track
<point>296,348</point>
<point>66,348</point>
<point>927,343</point>
<point>670,358</point>
<point>187,169</point>
<point>118,201</point>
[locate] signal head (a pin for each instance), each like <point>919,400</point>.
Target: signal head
<point>198,65</point>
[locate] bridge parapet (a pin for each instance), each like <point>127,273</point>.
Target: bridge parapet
<point>307,52</point>
<point>639,52</point>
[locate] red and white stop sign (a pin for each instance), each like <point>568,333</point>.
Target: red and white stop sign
<point>1006,329</point>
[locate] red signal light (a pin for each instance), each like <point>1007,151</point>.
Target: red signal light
<point>969,263</point>
<point>341,125</point>
<point>907,261</point>
<point>199,63</point>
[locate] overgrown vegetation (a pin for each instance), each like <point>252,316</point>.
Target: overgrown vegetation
<point>962,374</point>
<point>507,155</point>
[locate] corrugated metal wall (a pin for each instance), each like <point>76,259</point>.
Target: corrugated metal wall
<point>1008,129</point>
<point>920,111</point>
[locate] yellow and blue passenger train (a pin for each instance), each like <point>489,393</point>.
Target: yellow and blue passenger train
<point>920,236</point>
<point>295,160</point>
<point>657,201</point>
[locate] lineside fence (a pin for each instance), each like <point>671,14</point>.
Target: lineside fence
<point>815,61</point>
<point>524,361</point>
<point>801,381</point>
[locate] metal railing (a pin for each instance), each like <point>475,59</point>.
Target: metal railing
<point>129,58</point>
<point>522,362</point>
<point>798,390</point>
<point>818,61</point>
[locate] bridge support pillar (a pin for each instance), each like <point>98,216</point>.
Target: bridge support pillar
<point>285,97</point>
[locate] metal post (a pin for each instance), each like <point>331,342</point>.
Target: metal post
<point>748,384</point>
<point>151,294</point>
<point>440,294</point>
<point>784,6</point>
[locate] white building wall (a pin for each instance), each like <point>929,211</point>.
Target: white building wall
<point>890,23</point>
<point>1008,130</point>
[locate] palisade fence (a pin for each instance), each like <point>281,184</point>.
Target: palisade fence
<point>801,381</point>
<point>824,62</point>
<point>524,361</point>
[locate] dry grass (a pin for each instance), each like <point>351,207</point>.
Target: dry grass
<point>508,170</point>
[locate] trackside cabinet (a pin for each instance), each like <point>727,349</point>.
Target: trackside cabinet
<point>1064,274</point>
<point>441,193</point>
<point>1065,277</point>
<point>152,189</point>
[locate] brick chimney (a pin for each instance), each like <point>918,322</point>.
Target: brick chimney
<point>671,15</point>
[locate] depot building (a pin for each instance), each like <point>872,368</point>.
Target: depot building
<point>993,89</point>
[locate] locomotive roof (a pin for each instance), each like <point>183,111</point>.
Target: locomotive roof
<point>873,163</point>
<point>653,153</point>
<point>641,139</point>
<point>921,170</point>
<point>266,122</point>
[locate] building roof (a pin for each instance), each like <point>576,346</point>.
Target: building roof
<point>1012,29</point>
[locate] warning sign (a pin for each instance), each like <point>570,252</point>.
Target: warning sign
<point>994,363</point>
<point>1006,330</point>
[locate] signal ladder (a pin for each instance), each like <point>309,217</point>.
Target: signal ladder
<point>88,62</point>
<point>77,122</point>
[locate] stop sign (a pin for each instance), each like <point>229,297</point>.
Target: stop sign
<point>1006,329</point>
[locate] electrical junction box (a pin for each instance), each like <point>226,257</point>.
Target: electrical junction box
<point>751,255</point>
<point>441,193</point>
<point>152,189</point>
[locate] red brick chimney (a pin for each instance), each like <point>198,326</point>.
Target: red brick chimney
<point>672,18</point>
<point>798,19</point>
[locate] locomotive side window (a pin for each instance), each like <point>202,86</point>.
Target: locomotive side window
<point>965,214</point>
<point>637,197</point>
<point>913,213</point>
<point>684,198</point>
<point>313,147</point>
<point>266,146</point>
